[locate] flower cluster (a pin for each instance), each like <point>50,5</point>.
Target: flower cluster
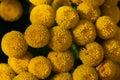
<point>82,36</point>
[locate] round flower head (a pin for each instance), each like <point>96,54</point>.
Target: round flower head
<point>84,72</point>
<point>61,61</point>
<point>111,2</point>
<point>42,14</point>
<point>60,39</point>
<point>112,49</point>
<point>6,72</point>
<point>88,12</point>
<point>11,10</point>
<point>37,36</point>
<point>62,76</point>
<point>40,67</point>
<point>13,44</point>
<point>58,3</point>
<point>25,76</point>
<point>112,12</point>
<point>108,70</point>
<point>92,54</point>
<point>67,17</point>
<point>84,32</point>
<point>106,28</point>
<point>20,64</point>
<point>39,2</point>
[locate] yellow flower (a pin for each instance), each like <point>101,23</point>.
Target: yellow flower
<point>92,54</point>
<point>108,70</point>
<point>84,72</point>
<point>43,14</point>
<point>89,12</point>
<point>112,49</point>
<point>40,66</point>
<point>105,27</point>
<point>60,39</point>
<point>11,10</point>
<point>84,32</point>
<point>13,44</point>
<point>61,61</point>
<point>67,17</point>
<point>37,36</point>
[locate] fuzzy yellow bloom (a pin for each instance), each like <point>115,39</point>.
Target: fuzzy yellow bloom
<point>13,44</point>
<point>39,2</point>
<point>106,28</point>
<point>112,49</point>
<point>37,36</point>
<point>84,72</point>
<point>111,11</point>
<point>61,61</point>
<point>25,76</point>
<point>20,64</point>
<point>84,32</point>
<point>92,54</point>
<point>60,39</point>
<point>88,12</point>
<point>66,17</point>
<point>108,70</point>
<point>6,72</point>
<point>11,10</point>
<point>43,14</point>
<point>40,66</point>
<point>62,76</point>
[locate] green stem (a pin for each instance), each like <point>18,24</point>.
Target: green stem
<point>76,52</point>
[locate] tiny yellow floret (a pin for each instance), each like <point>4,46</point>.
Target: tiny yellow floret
<point>84,32</point>
<point>84,72</point>
<point>37,36</point>
<point>11,10</point>
<point>60,39</point>
<point>13,44</point>
<point>40,66</point>
<point>43,14</point>
<point>61,61</point>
